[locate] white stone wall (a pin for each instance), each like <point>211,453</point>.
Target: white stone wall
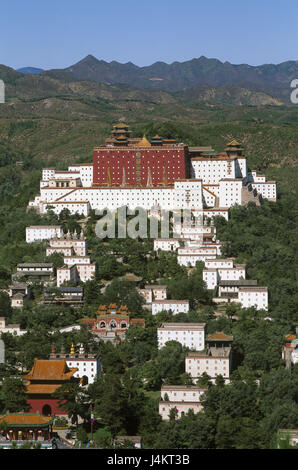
<point>65,251</point>
<point>253,297</point>
<point>86,271</point>
<point>175,305</point>
<point>183,408</point>
<point>80,247</point>
<point>191,260</point>
<point>211,277</point>
<point>180,393</point>
<point>212,365</point>
<point>231,274</point>
<point>166,244</point>
<point>230,192</point>
<point>71,260</point>
<point>268,190</point>
<point>86,173</point>
<point>219,263</point>
<point>212,170</point>
<point>189,336</point>
<point>66,274</point>
<point>87,367</point>
<point>42,232</point>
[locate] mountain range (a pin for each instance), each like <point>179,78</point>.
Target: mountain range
<point>180,75</point>
<point>209,80</point>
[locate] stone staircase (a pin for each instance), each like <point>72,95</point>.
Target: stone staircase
<point>249,194</point>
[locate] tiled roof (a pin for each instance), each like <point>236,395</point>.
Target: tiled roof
<point>27,419</point>
<point>219,337</point>
<point>41,389</point>
<point>50,370</point>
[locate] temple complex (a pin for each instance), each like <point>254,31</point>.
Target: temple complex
<point>112,322</point>
<point>45,377</point>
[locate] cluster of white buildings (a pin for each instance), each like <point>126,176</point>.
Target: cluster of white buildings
<point>215,183</point>
<point>227,279</point>
<point>212,356</point>
<point>156,298</point>
<point>77,264</point>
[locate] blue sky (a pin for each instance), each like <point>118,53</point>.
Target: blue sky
<point>58,33</point>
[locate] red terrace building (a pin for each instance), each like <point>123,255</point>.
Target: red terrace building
<point>112,322</point>
<point>138,162</point>
<point>45,377</point>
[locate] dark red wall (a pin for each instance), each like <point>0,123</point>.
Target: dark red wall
<point>38,403</point>
<point>173,160</point>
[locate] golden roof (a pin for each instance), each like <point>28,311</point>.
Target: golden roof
<point>144,142</point>
<point>121,137</point>
<point>233,143</point>
<point>41,389</point>
<point>26,419</point>
<point>50,370</point>
<point>121,125</point>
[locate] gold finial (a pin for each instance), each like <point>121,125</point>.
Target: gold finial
<point>72,351</point>
<point>144,142</point>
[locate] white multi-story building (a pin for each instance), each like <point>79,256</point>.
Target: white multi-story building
<point>230,192</point>
<point>70,260</point>
<point>213,275</point>
<point>13,329</point>
<point>190,335</point>
<point>253,297</point>
<point>211,169</point>
<point>186,194</point>
<point>166,244</point>
<point>154,292</point>
<point>67,274</point>
<point>88,364</point>
<point>219,263</point>
<point>86,272</point>
<point>34,269</point>
<point>85,171</point>
<point>181,398</point>
<point>67,251</point>
<point>191,259</point>
<point>216,183</point>
<point>43,232</point>
<point>77,244</point>
<point>176,306</point>
<point>216,362</point>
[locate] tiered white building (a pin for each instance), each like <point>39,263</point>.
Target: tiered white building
<point>214,359</point>
<point>77,263</point>
<point>181,398</point>
<point>216,182</point>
